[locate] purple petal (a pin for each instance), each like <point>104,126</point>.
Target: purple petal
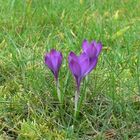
<point>91,51</point>
<point>48,62</point>
<point>75,68</point>
<point>76,71</point>
<point>93,63</point>
<point>56,58</point>
<point>85,45</point>
<point>84,63</point>
<point>60,58</point>
<point>98,47</point>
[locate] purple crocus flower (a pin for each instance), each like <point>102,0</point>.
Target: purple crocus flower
<point>92,49</point>
<point>54,60</point>
<point>81,65</point>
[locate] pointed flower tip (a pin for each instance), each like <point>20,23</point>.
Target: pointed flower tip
<point>53,50</point>
<point>85,40</point>
<point>71,53</point>
<point>73,56</point>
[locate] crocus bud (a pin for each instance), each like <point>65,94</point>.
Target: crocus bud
<point>54,60</point>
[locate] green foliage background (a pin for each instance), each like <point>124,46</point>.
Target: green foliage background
<point>29,28</point>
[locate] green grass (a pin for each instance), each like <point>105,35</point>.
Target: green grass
<point>28,29</point>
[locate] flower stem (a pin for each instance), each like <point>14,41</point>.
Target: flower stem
<point>58,91</point>
<point>83,95</point>
<point>77,94</point>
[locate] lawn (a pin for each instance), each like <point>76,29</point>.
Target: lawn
<point>28,109</point>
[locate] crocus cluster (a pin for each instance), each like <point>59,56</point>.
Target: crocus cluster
<point>80,66</point>
<point>83,64</point>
